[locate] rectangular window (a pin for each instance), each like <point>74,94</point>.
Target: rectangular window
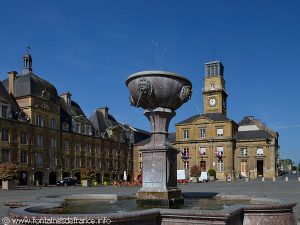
<point>186,134</point>
<point>66,161</point>
<point>24,157</point>
<point>39,158</point>
<point>220,166</point>
<point>66,145</point>
<point>186,165</point>
<point>39,140</point>
<point>4,111</point>
<point>23,138</point>
<point>89,163</point>
<point>5,155</point>
<point>220,150</point>
<point>202,133</point>
<point>53,123</point>
<point>39,121</point>
<point>202,151</point>
<point>53,159</point>
<point>141,154</point>
<point>220,132</point>
<point>141,165</point>
<point>78,161</point>
<point>243,151</point>
<point>5,134</point>
<point>98,149</point>
<point>53,142</point>
<point>88,148</point>
<point>77,147</point>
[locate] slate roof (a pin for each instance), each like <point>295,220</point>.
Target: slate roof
<point>246,121</point>
<point>212,116</point>
<point>253,134</point>
<point>31,84</point>
<point>101,123</point>
<point>6,97</point>
<point>67,112</point>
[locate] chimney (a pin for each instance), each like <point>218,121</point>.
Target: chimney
<point>104,112</point>
<point>67,97</point>
<point>11,81</point>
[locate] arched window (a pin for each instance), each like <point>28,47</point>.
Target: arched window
<point>259,151</point>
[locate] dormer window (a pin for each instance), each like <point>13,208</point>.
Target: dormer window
<point>4,111</point>
<point>82,128</point>
<point>88,130</point>
<point>65,126</point>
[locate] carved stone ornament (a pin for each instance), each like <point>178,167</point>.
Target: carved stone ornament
<point>46,107</point>
<point>45,94</point>
<point>186,93</point>
<point>144,87</point>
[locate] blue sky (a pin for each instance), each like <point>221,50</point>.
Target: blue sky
<point>90,47</point>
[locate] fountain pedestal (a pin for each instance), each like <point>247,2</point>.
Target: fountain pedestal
<point>159,163</point>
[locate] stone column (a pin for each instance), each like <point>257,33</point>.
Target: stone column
<point>159,163</point>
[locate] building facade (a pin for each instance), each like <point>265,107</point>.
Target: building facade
<point>49,136</point>
<point>213,141</point>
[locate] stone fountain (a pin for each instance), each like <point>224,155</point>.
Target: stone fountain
<point>159,93</point>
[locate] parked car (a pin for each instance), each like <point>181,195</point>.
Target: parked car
<point>67,181</point>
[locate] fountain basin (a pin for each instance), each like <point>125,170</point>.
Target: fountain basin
<point>263,211</point>
<point>152,89</point>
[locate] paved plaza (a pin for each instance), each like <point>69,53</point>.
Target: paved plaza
<point>288,191</point>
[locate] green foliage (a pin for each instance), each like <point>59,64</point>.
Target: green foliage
<point>9,171</point>
<point>87,174</point>
<point>212,172</point>
<point>195,171</point>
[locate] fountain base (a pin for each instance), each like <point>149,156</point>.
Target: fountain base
<point>165,198</point>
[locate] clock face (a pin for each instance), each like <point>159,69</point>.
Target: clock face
<point>212,102</point>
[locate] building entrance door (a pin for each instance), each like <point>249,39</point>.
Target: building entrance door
<point>260,168</point>
<point>244,168</point>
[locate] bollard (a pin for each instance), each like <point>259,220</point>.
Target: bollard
<point>298,178</point>
<point>247,179</point>
<point>263,179</point>
<point>274,178</point>
<point>286,179</point>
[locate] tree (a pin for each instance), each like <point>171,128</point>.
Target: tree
<point>8,171</point>
<point>195,171</point>
<point>87,174</point>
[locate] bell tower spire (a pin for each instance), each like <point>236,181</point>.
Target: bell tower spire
<point>27,62</point>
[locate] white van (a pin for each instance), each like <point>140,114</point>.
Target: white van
<point>203,177</point>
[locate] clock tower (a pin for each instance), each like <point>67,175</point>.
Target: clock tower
<point>214,94</point>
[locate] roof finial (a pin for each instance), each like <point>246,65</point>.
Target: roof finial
<point>27,62</point>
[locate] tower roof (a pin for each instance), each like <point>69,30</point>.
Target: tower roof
<point>213,69</point>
